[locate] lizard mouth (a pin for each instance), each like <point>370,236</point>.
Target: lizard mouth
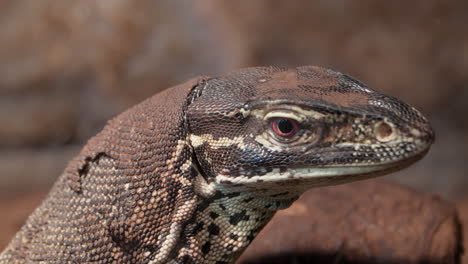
<point>322,175</point>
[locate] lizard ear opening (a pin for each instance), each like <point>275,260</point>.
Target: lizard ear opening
<point>384,131</point>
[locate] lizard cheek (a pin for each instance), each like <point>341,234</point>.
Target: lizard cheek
<point>384,131</point>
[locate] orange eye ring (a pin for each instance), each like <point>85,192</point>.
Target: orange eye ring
<point>285,127</point>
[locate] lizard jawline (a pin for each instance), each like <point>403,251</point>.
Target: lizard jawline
<point>321,176</point>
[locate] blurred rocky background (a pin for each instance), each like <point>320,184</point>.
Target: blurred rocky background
<point>68,66</point>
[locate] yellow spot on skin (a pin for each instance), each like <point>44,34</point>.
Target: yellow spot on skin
<point>202,187</point>
<point>415,132</point>
<point>216,143</point>
<point>244,112</point>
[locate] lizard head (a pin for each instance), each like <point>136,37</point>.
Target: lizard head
<point>307,127</point>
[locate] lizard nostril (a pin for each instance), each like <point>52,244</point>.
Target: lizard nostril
<point>384,132</point>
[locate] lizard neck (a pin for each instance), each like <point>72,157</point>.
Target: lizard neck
<point>228,220</point>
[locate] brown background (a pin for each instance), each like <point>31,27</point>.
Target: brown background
<point>67,66</point>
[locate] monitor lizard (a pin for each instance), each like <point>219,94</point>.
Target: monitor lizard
<point>192,174</point>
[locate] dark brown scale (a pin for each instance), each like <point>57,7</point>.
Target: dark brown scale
<point>213,229</point>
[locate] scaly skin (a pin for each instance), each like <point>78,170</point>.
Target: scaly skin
<point>192,174</point>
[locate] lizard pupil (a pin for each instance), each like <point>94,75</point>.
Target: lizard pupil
<point>284,127</point>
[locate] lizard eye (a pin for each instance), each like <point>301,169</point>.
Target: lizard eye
<point>285,127</point>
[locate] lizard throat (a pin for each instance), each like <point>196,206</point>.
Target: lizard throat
<point>226,223</point>
<point>228,218</point>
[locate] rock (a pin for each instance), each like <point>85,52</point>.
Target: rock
<point>363,222</point>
